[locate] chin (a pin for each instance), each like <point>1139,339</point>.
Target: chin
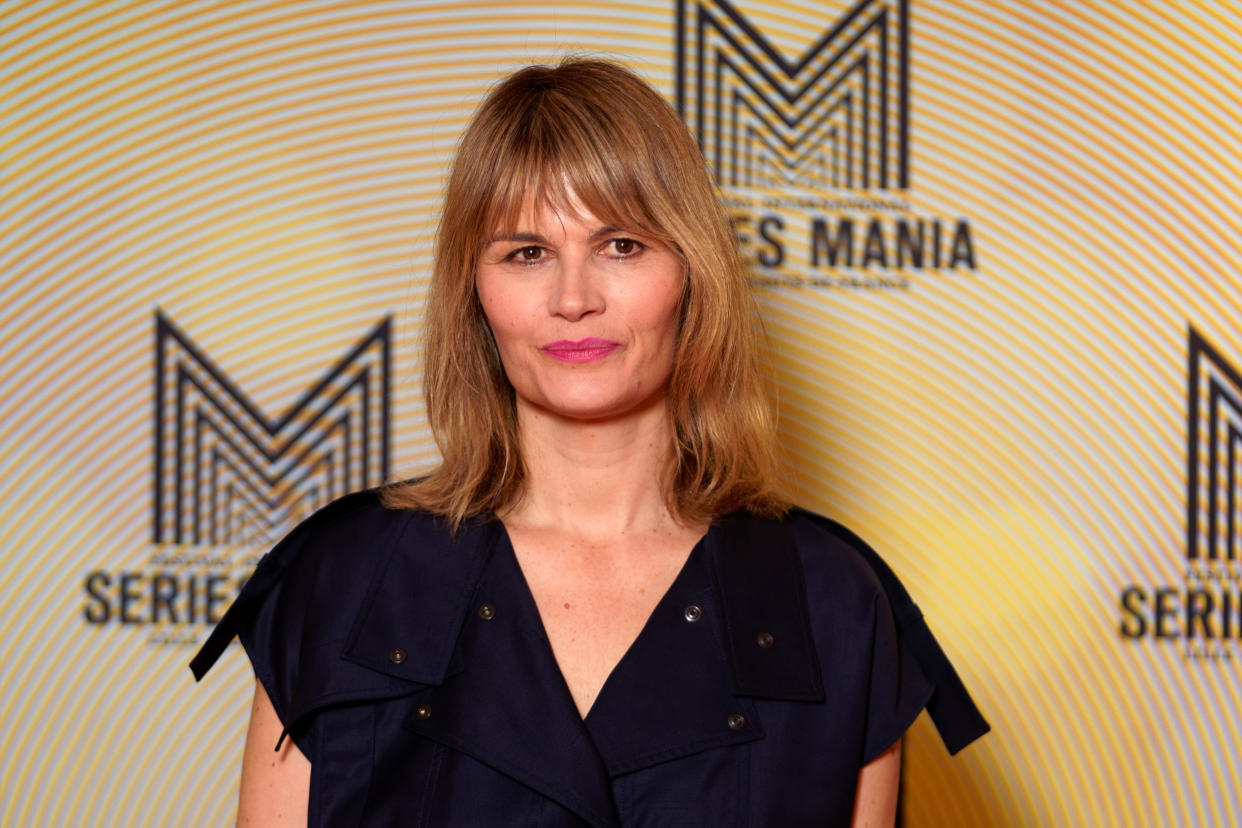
<point>590,414</point>
<point>592,410</point>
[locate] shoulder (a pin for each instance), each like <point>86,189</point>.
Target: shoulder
<point>814,526</point>
<point>321,573</point>
<point>337,561</point>
<point>831,561</point>
<point>850,591</point>
<point>842,576</point>
<point>806,581</point>
<point>353,531</point>
<point>835,561</point>
<point>360,517</point>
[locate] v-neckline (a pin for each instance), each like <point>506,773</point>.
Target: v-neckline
<point>531,607</point>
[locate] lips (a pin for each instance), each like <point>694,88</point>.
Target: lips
<point>582,350</point>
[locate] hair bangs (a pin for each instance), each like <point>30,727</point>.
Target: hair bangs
<point>573,159</point>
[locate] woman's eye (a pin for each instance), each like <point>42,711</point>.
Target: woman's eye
<point>527,254</point>
<point>625,247</point>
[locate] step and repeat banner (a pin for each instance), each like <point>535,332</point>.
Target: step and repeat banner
<point>997,246</point>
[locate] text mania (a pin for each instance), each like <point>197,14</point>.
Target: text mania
<point>901,242</point>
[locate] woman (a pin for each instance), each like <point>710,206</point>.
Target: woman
<point>598,609</point>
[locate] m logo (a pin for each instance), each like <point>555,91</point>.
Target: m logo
<point>227,474</point>
<point>1214,436</point>
<point>835,116</point>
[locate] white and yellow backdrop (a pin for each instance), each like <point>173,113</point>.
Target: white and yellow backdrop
<point>209,210</point>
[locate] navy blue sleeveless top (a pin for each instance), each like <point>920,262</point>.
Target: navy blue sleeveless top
<point>410,666</point>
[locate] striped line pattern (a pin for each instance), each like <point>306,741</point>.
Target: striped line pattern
<point>1012,438</point>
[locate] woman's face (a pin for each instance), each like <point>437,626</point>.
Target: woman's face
<point>584,313</point>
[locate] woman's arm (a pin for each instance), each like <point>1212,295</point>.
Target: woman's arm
<point>875,799</point>
<point>275,785</point>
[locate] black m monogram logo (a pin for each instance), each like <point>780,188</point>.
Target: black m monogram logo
<point>835,116</point>
<point>1214,436</point>
<point>227,474</point>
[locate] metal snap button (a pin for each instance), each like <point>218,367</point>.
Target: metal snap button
<point>736,721</point>
<point>396,655</point>
<point>765,640</point>
<point>423,711</point>
<point>487,612</point>
<point>693,613</point>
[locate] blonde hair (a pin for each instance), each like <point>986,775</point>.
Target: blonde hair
<point>595,130</point>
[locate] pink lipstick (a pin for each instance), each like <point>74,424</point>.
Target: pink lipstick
<point>583,350</point>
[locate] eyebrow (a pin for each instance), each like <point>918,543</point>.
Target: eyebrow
<point>517,237</point>
<point>607,230</point>
<point>526,236</point>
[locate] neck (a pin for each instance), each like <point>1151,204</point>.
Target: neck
<point>599,477</point>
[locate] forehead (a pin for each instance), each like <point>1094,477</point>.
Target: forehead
<point>553,196</point>
<point>535,214</point>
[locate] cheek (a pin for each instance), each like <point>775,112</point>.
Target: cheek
<point>512,329</point>
<point>500,310</point>
<point>663,309</point>
<point>506,321</point>
<point>491,310</point>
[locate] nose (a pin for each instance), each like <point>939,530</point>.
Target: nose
<point>575,292</point>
